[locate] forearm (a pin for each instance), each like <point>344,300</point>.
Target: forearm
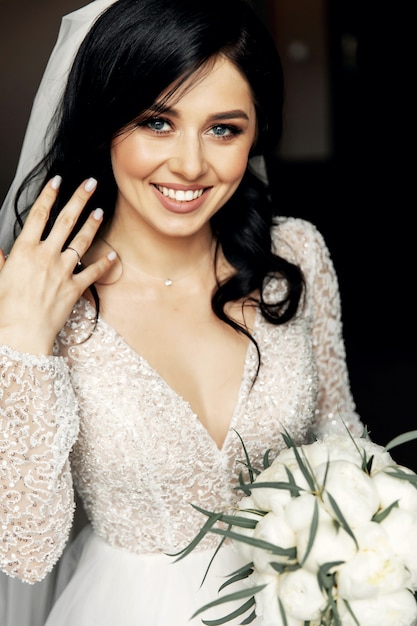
<point>38,426</point>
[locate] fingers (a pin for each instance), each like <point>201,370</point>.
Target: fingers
<point>67,218</point>
<point>83,239</point>
<point>92,273</point>
<point>39,213</point>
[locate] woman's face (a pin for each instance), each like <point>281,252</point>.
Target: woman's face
<point>176,168</point>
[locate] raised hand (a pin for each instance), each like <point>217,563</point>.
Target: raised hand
<point>38,288</point>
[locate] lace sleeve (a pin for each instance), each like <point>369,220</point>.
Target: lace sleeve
<point>38,426</point>
<point>336,407</point>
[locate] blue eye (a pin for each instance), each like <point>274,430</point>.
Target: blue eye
<point>158,124</point>
<point>225,130</point>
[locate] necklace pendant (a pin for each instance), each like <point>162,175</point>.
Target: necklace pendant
<point>168,282</point>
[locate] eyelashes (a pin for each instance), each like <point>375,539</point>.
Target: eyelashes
<point>163,126</point>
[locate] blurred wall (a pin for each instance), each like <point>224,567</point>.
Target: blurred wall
<point>28,33</point>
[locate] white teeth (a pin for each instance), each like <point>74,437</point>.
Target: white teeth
<point>179,194</point>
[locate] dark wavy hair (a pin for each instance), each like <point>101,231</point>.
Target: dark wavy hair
<point>134,51</point>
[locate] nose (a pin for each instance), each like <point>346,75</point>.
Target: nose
<point>189,158</point>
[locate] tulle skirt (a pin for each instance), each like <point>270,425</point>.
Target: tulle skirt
<point>99,585</point>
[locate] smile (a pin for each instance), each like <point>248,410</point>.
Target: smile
<point>180,195</point>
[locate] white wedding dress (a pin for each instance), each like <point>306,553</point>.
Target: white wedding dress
<point>98,414</point>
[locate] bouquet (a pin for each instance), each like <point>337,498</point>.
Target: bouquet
<point>329,532</point>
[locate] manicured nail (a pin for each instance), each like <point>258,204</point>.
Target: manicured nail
<point>111,255</point>
<point>90,184</point>
<point>98,214</point>
<point>56,181</point>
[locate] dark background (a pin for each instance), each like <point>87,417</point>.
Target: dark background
<point>344,164</point>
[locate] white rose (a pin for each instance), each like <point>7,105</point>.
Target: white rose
<point>334,448</point>
<point>345,448</point>
<point>270,498</point>
<point>301,595</point>
<point>389,609</point>
<point>381,458</point>
<point>330,544</point>
<point>275,530</point>
<point>391,489</point>
<point>351,488</point>
<point>266,602</point>
<point>401,528</point>
<point>299,511</point>
<point>374,569</point>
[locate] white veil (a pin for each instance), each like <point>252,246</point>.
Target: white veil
<point>74,27</point>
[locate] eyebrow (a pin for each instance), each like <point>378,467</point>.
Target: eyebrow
<point>222,115</point>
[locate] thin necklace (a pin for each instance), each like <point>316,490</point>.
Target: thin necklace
<point>168,282</point>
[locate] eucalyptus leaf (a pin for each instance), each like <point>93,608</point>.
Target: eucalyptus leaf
<point>243,573</point>
<point>400,439</point>
<point>290,553</point>
<point>302,463</point>
<point>349,608</point>
<point>249,619</point>
<point>283,613</point>
<point>231,597</point>
<point>324,575</point>
<point>398,473</point>
<point>313,531</point>
<point>341,517</point>
<point>242,609</point>
<point>280,568</point>
<point>293,489</point>
<point>248,461</point>
<point>381,515</point>
<point>200,535</point>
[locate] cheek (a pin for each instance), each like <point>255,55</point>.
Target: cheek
<point>232,167</point>
<point>130,160</point>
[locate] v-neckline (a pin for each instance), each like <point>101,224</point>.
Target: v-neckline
<point>242,391</point>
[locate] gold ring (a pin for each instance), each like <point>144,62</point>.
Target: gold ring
<point>78,256</point>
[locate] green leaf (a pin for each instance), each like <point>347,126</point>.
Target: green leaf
<point>249,619</point>
<point>302,464</point>
<point>242,609</point>
<point>212,559</point>
<point>240,574</point>
<point>399,473</point>
<point>361,452</point>
<point>266,462</point>
<point>349,608</point>
<point>325,577</point>
<point>400,439</point>
<point>243,522</point>
<point>336,621</point>
<point>213,518</point>
<point>378,517</point>
<point>248,461</point>
<point>283,613</point>
<point>293,489</point>
<point>231,597</point>
<point>245,487</point>
<point>369,465</point>
<point>290,553</point>
<point>341,517</point>
<point>313,531</point>
<point>280,568</point>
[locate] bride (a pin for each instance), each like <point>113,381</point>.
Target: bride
<point>151,308</point>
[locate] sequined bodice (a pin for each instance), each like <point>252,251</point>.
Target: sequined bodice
<point>138,454</point>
